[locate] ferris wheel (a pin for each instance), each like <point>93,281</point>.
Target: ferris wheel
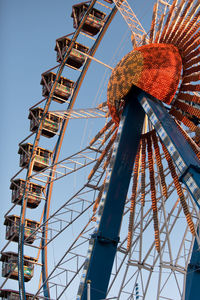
<point>104,239</point>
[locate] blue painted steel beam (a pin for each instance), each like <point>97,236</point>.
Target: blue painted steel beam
<point>181,152</point>
<point>106,237</point>
<point>189,167</point>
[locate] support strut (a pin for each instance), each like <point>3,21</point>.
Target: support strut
<point>106,237</point>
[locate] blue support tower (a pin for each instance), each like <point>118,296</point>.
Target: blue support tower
<point>106,238</point>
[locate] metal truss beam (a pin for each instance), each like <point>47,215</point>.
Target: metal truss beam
<point>131,19</point>
<point>67,165</point>
<point>85,113</point>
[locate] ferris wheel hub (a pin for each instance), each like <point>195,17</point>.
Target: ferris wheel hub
<point>154,68</point>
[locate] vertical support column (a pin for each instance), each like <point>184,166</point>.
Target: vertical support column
<point>104,241</point>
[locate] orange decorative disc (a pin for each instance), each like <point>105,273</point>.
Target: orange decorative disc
<point>155,68</point>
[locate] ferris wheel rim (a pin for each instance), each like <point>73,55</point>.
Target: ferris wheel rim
<point>58,146</point>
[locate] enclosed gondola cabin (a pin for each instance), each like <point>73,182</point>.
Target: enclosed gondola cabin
<point>63,90</point>
<point>34,194</point>
<point>12,223</point>
<point>76,57</point>
<point>94,21</point>
<point>10,266</point>
<point>14,295</point>
<point>51,122</point>
<point>42,157</point>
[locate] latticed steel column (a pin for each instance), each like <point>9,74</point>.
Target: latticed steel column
<point>131,19</point>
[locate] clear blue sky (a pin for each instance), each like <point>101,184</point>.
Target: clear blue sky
<point>28,30</point>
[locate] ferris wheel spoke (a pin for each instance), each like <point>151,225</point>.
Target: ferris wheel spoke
<point>137,239</point>
<point>82,113</point>
<point>131,19</point>
<point>77,205</point>
<point>74,162</point>
<point>148,266</point>
<point>73,255</point>
<point>67,166</point>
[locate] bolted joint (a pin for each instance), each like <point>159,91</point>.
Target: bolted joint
<point>194,267</point>
<point>190,168</point>
<point>104,239</point>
